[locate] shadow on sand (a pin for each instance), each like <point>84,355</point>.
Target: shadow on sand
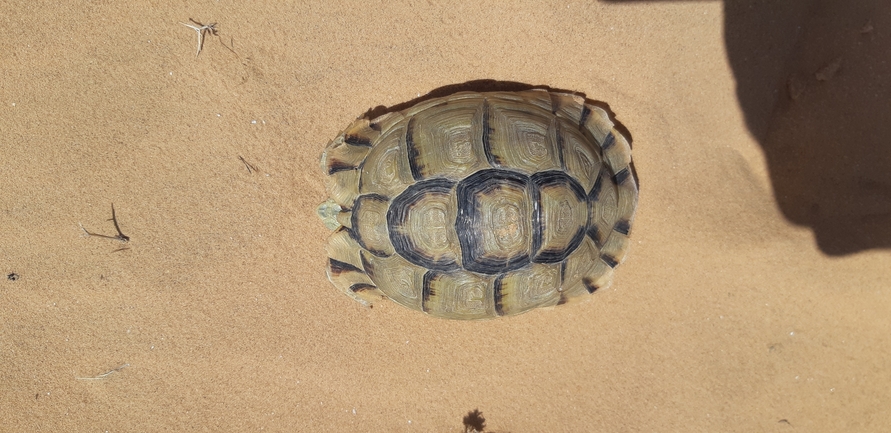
<point>814,82</point>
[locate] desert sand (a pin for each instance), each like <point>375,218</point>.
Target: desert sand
<point>756,295</point>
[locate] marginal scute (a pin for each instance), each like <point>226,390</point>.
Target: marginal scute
<point>342,156</point>
<point>458,295</point>
<point>618,156</point>
<point>598,124</point>
<point>345,268</point>
<point>537,285</point>
<point>616,247</point>
<point>341,162</point>
<point>361,133</point>
<point>386,171</point>
<point>398,279</point>
<point>567,106</point>
<point>533,98</point>
<point>604,208</point>
<point>627,201</point>
<point>479,205</point>
<point>343,187</point>
<point>584,270</point>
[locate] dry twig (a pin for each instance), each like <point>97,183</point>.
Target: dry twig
<point>201,28</point>
<point>120,236</point>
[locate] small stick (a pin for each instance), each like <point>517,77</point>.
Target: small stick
<point>104,375</point>
<point>201,28</point>
<point>114,219</point>
<point>250,168</point>
<point>120,236</point>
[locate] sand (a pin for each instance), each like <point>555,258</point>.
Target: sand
<point>756,295</point>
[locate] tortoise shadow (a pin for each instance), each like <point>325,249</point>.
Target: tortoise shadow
<point>817,98</point>
<point>812,79</point>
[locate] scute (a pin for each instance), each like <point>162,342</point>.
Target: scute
<point>397,278</point>
<point>421,224</point>
<point>385,171</point>
<point>534,286</point>
<point>561,213</point>
<point>458,295</point>
<point>450,144</point>
<point>368,221</point>
<point>494,221</point>
<point>479,205</point>
<point>522,137</point>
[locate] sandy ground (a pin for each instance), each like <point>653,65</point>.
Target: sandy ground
<point>756,296</point>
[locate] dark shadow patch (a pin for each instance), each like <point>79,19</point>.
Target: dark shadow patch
<point>812,80</point>
<point>474,422</point>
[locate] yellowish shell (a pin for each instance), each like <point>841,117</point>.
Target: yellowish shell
<point>479,205</point>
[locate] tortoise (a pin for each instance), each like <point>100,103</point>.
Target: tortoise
<point>479,205</point>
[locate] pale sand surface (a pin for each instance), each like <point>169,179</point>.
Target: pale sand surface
<point>728,314</point>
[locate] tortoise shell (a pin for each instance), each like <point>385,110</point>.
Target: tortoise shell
<point>479,205</point>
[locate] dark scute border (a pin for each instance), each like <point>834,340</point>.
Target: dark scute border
<point>356,140</point>
<point>499,302</point>
<point>468,212</point>
<point>486,139</point>
<point>589,285</point>
<point>427,290</point>
<point>398,213</point>
<point>623,227</point>
<point>414,154</point>
<point>361,287</point>
<point>335,166</point>
<point>608,141</point>
<point>337,267</point>
<point>621,176</point>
